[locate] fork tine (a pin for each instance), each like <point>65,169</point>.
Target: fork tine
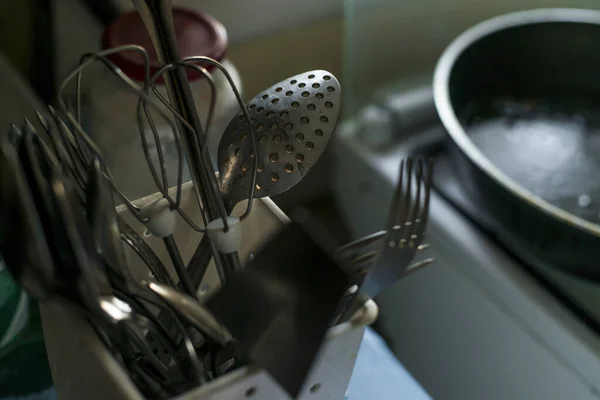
<point>424,216</point>
<point>396,201</point>
<point>362,258</point>
<point>357,247</point>
<point>418,266</point>
<point>406,196</point>
<point>416,209</point>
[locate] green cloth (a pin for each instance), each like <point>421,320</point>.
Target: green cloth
<point>10,294</point>
<point>24,367</point>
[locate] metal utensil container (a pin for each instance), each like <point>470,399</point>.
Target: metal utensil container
<point>82,367</point>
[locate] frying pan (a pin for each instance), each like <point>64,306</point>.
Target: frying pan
<point>519,96</point>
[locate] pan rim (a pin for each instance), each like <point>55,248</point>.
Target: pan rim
<point>443,104</point>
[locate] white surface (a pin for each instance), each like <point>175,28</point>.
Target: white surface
<point>378,374</point>
<point>225,242</point>
<point>474,325</point>
<point>161,219</point>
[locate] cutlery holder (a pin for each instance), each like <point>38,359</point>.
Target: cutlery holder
<point>82,367</point>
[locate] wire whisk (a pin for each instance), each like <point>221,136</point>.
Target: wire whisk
<point>83,146</point>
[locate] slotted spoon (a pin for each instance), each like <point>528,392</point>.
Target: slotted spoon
<point>293,122</point>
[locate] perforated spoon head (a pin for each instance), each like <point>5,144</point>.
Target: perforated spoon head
<point>293,122</point>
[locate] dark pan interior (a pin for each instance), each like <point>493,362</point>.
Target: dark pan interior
<point>529,98</point>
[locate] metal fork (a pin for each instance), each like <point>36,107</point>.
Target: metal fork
<point>405,227</point>
<point>382,258</point>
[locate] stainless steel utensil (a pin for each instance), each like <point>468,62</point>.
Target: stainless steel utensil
<point>405,227</point>
<point>102,218</point>
<point>145,252</point>
<point>66,154</point>
<point>23,244</point>
<point>87,282</point>
<point>293,122</point>
<point>279,307</point>
<point>405,230</point>
<point>193,312</point>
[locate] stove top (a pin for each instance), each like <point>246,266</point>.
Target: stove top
<point>576,295</point>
